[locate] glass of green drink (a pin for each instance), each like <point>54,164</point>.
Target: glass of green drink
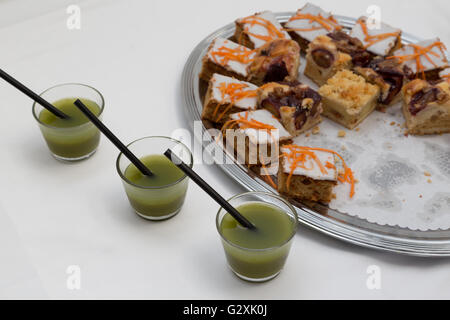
<point>161,196</point>
<point>258,255</point>
<point>75,138</point>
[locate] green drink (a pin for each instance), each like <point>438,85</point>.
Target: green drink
<point>162,195</point>
<point>165,173</point>
<point>74,138</point>
<point>258,255</point>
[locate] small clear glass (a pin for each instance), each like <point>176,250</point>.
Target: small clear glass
<point>258,265</point>
<point>70,143</point>
<point>162,202</point>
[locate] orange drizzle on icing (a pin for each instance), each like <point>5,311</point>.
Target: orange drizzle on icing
<point>225,54</point>
<point>328,24</point>
<point>245,123</point>
<point>272,31</point>
<point>420,51</point>
<point>299,155</point>
<point>236,92</point>
<point>371,40</point>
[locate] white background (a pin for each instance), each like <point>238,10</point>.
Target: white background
<point>53,215</point>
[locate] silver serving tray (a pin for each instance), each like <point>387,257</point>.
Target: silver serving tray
<point>331,222</point>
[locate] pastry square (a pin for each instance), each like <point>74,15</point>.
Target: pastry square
<point>228,58</point>
<point>307,175</point>
<point>425,59</point>
<point>298,106</point>
<point>310,22</point>
<point>254,137</point>
<point>351,46</point>
<point>275,61</point>
<point>227,95</point>
<point>323,60</point>
<point>256,30</point>
<point>426,107</point>
<point>382,41</point>
<point>348,99</point>
<point>388,76</point>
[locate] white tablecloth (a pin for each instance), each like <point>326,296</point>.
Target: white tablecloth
<point>55,215</point>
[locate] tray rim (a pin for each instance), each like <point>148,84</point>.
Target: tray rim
<point>406,241</point>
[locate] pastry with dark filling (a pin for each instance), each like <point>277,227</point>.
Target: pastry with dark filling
<point>324,60</point>
<point>387,75</point>
<point>297,105</point>
<point>426,107</point>
<point>275,61</point>
<point>351,46</point>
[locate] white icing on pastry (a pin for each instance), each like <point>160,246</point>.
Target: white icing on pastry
<point>313,171</point>
<point>439,60</point>
<point>245,103</point>
<point>257,29</point>
<point>307,24</point>
<point>235,66</point>
<point>262,136</point>
<point>381,48</point>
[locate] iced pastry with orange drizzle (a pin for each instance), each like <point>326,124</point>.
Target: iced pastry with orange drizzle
<point>236,93</point>
<point>260,126</point>
<point>316,163</point>
<point>379,41</point>
<point>255,136</point>
<point>310,22</point>
<point>226,95</point>
<point>231,55</point>
<point>256,30</point>
<point>422,57</point>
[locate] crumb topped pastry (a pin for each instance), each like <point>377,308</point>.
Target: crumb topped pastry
<point>254,136</point>
<point>423,59</point>
<point>348,99</point>
<point>227,95</point>
<point>387,75</point>
<point>298,106</point>
<point>310,22</point>
<point>228,58</point>
<point>379,41</point>
<point>323,60</point>
<point>275,61</point>
<point>256,30</point>
<point>426,107</point>
<point>311,173</point>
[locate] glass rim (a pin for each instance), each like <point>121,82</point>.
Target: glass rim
<point>261,193</point>
<point>190,164</point>
<point>102,106</point>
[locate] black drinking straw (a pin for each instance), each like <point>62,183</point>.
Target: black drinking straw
<point>32,95</point>
<point>142,168</point>
<point>209,190</point>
